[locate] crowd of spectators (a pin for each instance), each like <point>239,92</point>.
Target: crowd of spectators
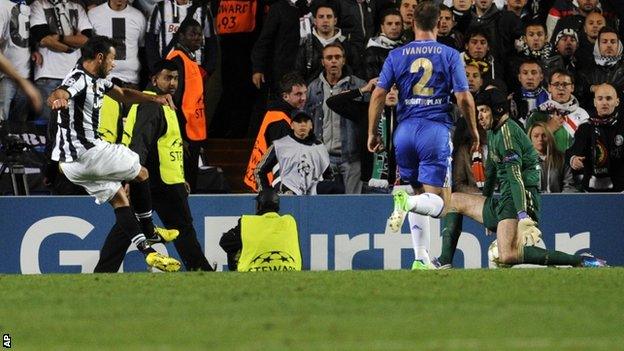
<point>559,62</point>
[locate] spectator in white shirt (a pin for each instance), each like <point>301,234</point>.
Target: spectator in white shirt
<point>14,34</point>
<point>126,25</point>
<point>59,28</point>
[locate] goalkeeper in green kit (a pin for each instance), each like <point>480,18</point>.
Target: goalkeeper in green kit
<point>513,163</point>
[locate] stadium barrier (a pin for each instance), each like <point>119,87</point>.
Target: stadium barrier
<point>63,234</point>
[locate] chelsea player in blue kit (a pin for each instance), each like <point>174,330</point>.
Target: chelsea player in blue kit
<point>427,74</point>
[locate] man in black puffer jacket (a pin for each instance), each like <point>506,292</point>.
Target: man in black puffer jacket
<point>272,55</point>
<point>502,27</point>
<point>597,155</point>
<point>309,56</point>
<point>378,47</point>
<point>607,67</point>
<point>357,20</point>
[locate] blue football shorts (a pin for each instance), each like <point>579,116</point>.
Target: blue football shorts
<point>424,152</point>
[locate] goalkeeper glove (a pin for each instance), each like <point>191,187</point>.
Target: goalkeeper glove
<point>528,233</point>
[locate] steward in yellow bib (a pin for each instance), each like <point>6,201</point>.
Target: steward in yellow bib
<point>153,132</point>
<point>264,242</point>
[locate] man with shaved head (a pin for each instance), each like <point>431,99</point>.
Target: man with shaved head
<point>597,155</point>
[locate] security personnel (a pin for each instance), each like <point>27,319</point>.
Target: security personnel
<point>276,122</point>
<point>112,114</point>
<point>153,132</point>
<point>111,121</point>
<point>233,18</point>
<point>265,241</point>
<point>190,94</point>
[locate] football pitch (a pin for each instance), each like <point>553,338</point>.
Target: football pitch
<point>513,309</point>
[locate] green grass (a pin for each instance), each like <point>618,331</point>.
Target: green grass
<point>516,309</point>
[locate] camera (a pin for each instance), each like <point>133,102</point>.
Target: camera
<point>12,145</point>
<point>15,154</point>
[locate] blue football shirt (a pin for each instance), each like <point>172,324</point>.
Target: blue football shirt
<point>426,74</point>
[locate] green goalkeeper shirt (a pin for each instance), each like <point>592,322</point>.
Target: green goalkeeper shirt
<point>512,161</point>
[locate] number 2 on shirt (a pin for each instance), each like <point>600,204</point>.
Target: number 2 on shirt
<point>420,88</point>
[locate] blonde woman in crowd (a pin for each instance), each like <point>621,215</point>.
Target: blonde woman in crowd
<point>556,174</point>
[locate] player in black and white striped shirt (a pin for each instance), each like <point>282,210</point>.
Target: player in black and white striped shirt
<point>94,164</point>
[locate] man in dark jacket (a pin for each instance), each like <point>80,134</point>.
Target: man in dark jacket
<point>462,14</point>
<point>325,32</point>
<point>479,52</point>
<point>447,34</point>
<point>588,35</point>
<point>378,47</point>
<point>531,94</point>
<point>272,55</point>
<point>521,10</point>
<point>533,45</point>
<point>607,66</point>
<point>407,8</point>
<point>501,26</point>
<point>568,13</point>
<point>565,45</point>
<point>597,155</point>
<point>357,19</point>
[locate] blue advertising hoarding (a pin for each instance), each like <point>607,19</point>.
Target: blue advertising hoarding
<point>64,234</point>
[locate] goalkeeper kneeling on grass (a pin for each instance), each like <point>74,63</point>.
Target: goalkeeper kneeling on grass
<point>512,162</point>
<point>267,241</point>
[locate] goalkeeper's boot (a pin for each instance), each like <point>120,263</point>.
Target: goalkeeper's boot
<point>163,235</point>
<point>162,262</point>
<point>588,260</point>
<point>400,211</point>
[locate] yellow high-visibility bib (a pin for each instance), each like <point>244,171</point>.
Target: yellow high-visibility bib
<point>270,243</point>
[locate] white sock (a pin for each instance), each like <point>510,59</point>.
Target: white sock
<point>421,230</point>
<point>427,204</point>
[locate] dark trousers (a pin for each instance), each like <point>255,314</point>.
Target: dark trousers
<point>231,117</point>
<point>191,164</point>
<point>171,204</point>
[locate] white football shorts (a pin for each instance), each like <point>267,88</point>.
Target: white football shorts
<point>101,169</point>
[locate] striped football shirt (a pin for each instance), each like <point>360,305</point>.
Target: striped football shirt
<point>78,124</point>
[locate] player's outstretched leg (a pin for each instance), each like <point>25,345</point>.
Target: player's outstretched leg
<point>141,197</point>
<point>511,251</point>
<point>590,261</point>
<point>427,204</point>
<point>129,224</point>
<point>539,256</point>
<point>470,205</point>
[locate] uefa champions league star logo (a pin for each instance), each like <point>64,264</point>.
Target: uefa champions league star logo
<point>273,261</point>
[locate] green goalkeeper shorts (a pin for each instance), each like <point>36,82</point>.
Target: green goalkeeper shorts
<point>499,208</point>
